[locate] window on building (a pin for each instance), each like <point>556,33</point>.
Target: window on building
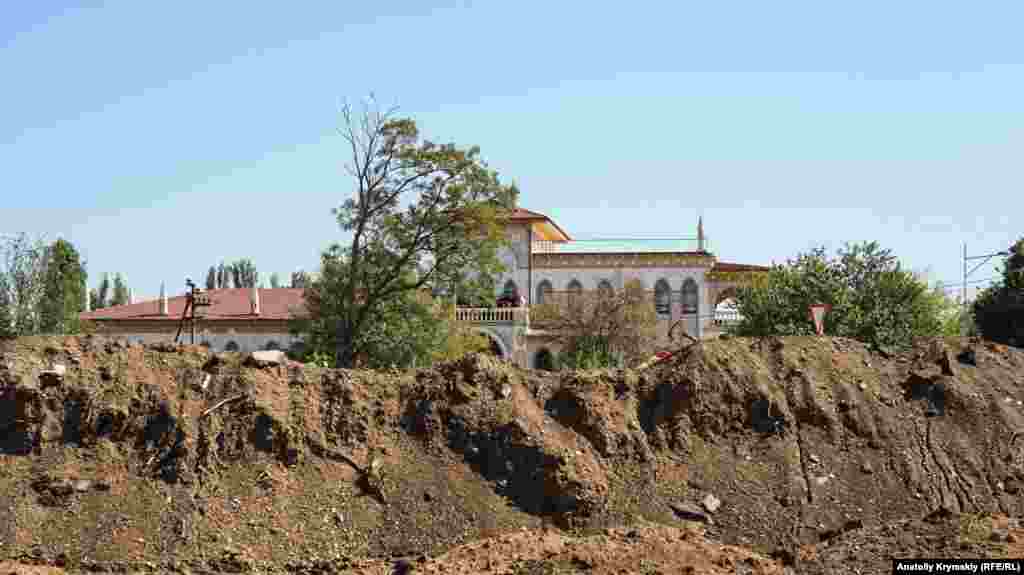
<point>272,346</point>
<point>544,292</point>
<point>510,291</point>
<point>575,293</point>
<point>605,289</point>
<point>662,298</point>
<point>231,346</point>
<point>689,296</point>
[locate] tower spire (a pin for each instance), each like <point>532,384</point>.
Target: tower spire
<point>700,233</point>
<point>163,299</point>
<point>254,300</point>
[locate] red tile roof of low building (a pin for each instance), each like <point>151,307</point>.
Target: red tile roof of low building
<point>228,303</point>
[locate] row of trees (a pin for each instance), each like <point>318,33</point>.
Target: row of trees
<point>873,299</point>
<point>42,286</point>
<point>110,292</point>
<point>242,273</point>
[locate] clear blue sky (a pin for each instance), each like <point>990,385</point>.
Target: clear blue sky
<point>163,137</point>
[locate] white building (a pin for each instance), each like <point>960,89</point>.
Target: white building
<point>685,278</point>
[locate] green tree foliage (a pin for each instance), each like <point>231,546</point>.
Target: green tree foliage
<point>275,280</point>
<point>872,298</point>
<point>211,278</point>
<point>244,274</point>
<point>64,289</point>
<point>299,279</point>
<point>103,295</point>
<point>223,276</point>
<point>6,310</point>
<point>22,273</point>
<point>120,291</point>
<point>408,329</point>
<point>999,310</point>
<point>419,216</point>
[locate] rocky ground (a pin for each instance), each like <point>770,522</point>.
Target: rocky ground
<point>778,455</point>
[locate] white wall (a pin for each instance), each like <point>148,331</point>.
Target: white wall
<point>218,342</point>
<point>516,258</point>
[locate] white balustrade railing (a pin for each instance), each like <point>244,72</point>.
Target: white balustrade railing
<point>726,317</point>
<point>493,315</point>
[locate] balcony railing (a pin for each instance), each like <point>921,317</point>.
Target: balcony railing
<point>726,317</point>
<point>521,315</point>
<point>493,315</point>
<point>620,246</point>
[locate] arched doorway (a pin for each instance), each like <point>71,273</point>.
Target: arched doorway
<point>691,307</point>
<point>497,347</point>
<point>544,360</point>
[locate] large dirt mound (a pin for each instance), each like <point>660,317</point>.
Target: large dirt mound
<point>765,455</point>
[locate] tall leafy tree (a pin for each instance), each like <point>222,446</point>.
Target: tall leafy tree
<point>275,280</point>
<point>22,273</point>
<point>873,299</point>
<point>7,310</point>
<point>64,289</point>
<point>120,291</point>
<point>244,274</point>
<point>420,214</point>
<point>102,293</point>
<point>211,278</point>
<point>299,279</point>
<point>999,310</point>
<point>223,276</point>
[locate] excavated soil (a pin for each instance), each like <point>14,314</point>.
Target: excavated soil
<point>775,455</point>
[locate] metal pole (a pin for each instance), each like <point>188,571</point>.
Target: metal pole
<point>963,297</point>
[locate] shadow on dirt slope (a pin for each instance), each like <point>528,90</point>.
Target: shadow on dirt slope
<point>801,451</point>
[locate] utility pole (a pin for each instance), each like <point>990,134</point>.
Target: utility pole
<point>963,293</point>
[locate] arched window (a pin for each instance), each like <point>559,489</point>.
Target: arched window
<point>689,296</point>
<point>272,345</point>
<point>231,346</point>
<point>510,291</point>
<point>544,293</point>
<point>575,292</point>
<point>662,298</point>
<point>605,289</point>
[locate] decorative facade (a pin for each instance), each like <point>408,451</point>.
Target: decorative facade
<point>685,279</point>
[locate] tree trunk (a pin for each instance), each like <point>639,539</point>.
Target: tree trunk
<point>344,355</point>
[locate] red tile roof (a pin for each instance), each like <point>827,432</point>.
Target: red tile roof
<point>728,267</point>
<point>233,303</point>
<point>524,215</point>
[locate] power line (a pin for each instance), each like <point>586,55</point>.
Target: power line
<point>953,286</point>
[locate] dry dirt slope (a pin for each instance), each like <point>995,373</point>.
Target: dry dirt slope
<point>821,456</point>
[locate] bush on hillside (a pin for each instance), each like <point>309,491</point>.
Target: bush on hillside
<point>872,298</point>
<point>999,310</point>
